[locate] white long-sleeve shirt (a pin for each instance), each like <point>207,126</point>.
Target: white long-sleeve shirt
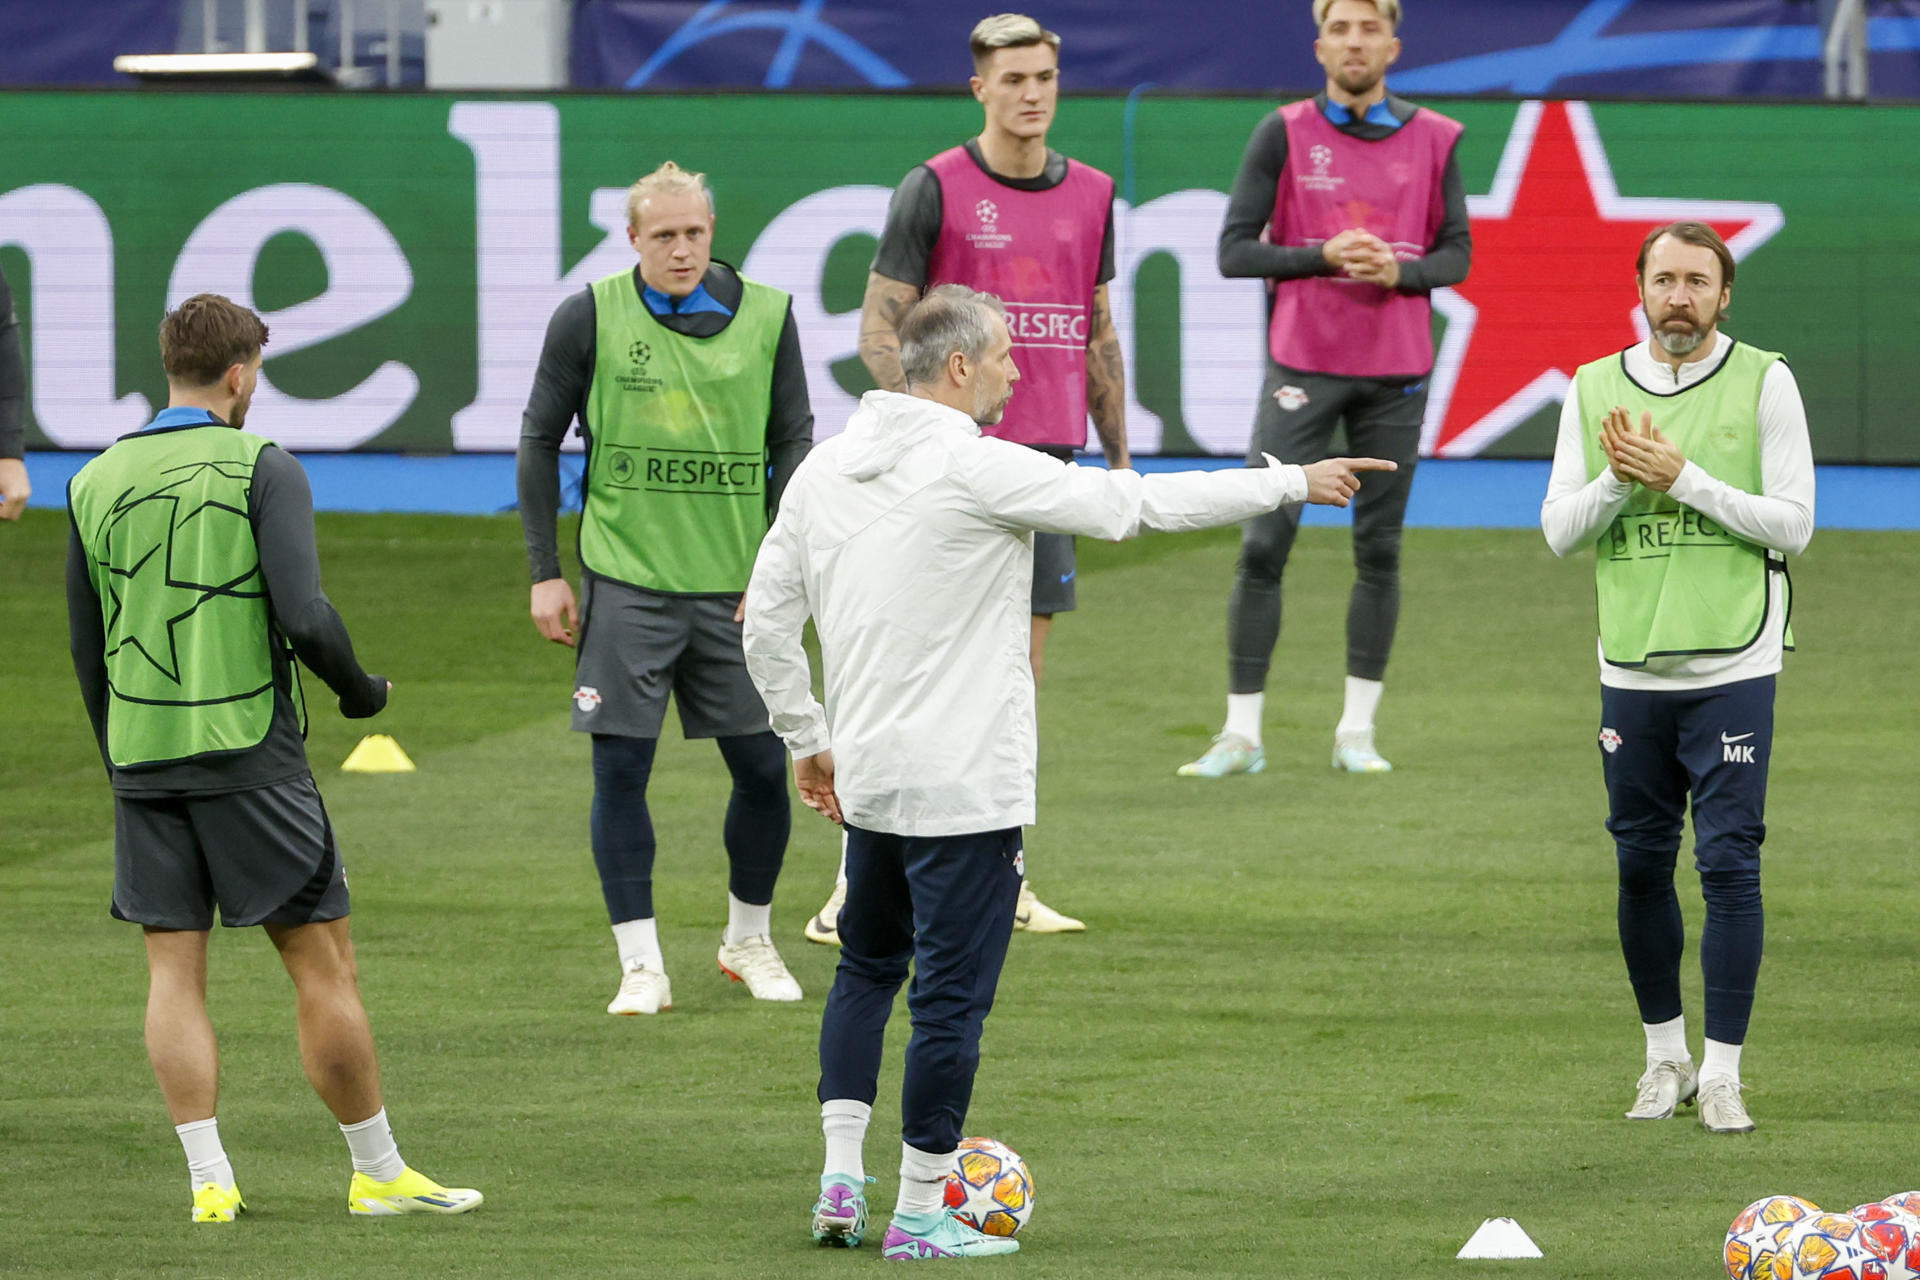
<point>1779,517</point>
<point>908,539</point>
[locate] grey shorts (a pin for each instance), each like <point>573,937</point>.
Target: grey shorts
<point>1053,572</point>
<point>266,856</point>
<point>637,646</point>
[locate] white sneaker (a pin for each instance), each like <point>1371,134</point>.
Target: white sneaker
<point>756,963</point>
<point>824,926</point>
<point>642,990</point>
<point>1034,916</point>
<point>1663,1087</point>
<point>1721,1110</point>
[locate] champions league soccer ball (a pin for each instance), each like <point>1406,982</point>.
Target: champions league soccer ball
<point>990,1188</point>
<point>1828,1246</point>
<point>1757,1232</point>
<point>1892,1235</point>
<point>1908,1200</point>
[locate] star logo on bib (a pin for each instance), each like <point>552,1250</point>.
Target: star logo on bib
<point>988,212</point>
<point>1556,215</point>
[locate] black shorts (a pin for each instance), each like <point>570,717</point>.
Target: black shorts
<point>638,646</point>
<point>266,856</point>
<point>1054,567</point>
<point>1053,573</point>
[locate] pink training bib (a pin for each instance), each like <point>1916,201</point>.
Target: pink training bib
<point>1039,251</point>
<point>1333,182</point>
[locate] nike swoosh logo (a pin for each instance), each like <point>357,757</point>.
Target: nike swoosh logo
<point>1725,737</point>
<point>1068,577</point>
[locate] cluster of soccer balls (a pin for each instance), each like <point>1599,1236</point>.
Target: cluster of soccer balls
<point>1787,1238</point>
<point>990,1189</point>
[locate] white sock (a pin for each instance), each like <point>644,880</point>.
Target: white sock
<point>744,920</point>
<point>1720,1059</point>
<point>206,1158</point>
<point>639,943</point>
<point>844,1122</point>
<point>1667,1041</point>
<point>923,1180</point>
<point>1243,715</point>
<point>374,1151</point>
<point>1356,717</point>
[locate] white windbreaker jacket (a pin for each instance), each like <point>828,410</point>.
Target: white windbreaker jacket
<point>908,539</point>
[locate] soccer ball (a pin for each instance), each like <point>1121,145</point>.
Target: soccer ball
<point>1756,1233</point>
<point>1827,1246</point>
<point>990,1188</point>
<point>1891,1235</point>
<point>1908,1200</point>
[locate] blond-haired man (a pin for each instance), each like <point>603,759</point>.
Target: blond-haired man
<point>687,383</point>
<point>1004,213</point>
<point>1350,204</point>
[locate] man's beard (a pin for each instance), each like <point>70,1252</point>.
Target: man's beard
<point>1679,343</point>
<point>237,416</point>
<point>1359,83</point>
<point>993,415</point>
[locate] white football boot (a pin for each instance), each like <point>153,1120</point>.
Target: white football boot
<point>1354,753</point>
<point>824,926</point>
<point>642,990</point>
<point>756,963</point>
<point>1721,1110</point>
<point>1031,915</point>
<point>1665,1086</point>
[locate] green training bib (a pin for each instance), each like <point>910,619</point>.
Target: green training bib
<point>164,517</point>
<point>1671,581</point>
<point>676,491</point>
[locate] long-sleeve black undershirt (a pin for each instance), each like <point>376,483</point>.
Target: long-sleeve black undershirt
<point>565,376</point>
<point>280,507</point>
<point>13,379</point>
<point>1250,207</point>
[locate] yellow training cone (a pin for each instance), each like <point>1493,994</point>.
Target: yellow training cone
<point>377,753</point>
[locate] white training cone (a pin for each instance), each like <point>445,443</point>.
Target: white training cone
<point>1499,1238</point>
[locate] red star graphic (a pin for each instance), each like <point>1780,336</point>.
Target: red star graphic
<point>1552,287</point>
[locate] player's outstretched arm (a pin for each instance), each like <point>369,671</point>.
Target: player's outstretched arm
<point>1332,482</point>
<point>886,301</point>
<point>1107,382</point>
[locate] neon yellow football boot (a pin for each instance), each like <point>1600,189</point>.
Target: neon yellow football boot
<point>411,1192</point>
<point>215,1203</point>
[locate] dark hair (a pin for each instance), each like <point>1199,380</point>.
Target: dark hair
<point>1695,233</point>
<point>205,336</point>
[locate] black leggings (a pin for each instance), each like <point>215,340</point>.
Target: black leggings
<point>1382,418</point>
<point>757,823</point>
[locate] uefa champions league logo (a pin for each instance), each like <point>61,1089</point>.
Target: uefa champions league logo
<point>1322,157</point>
<point>639,353</point>
<point>988,212</point>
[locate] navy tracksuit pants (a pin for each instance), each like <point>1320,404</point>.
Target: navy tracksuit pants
<point>1657,749</point>
<point>945,904</point>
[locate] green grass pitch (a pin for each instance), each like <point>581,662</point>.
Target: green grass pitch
<point>1321,1025</point>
